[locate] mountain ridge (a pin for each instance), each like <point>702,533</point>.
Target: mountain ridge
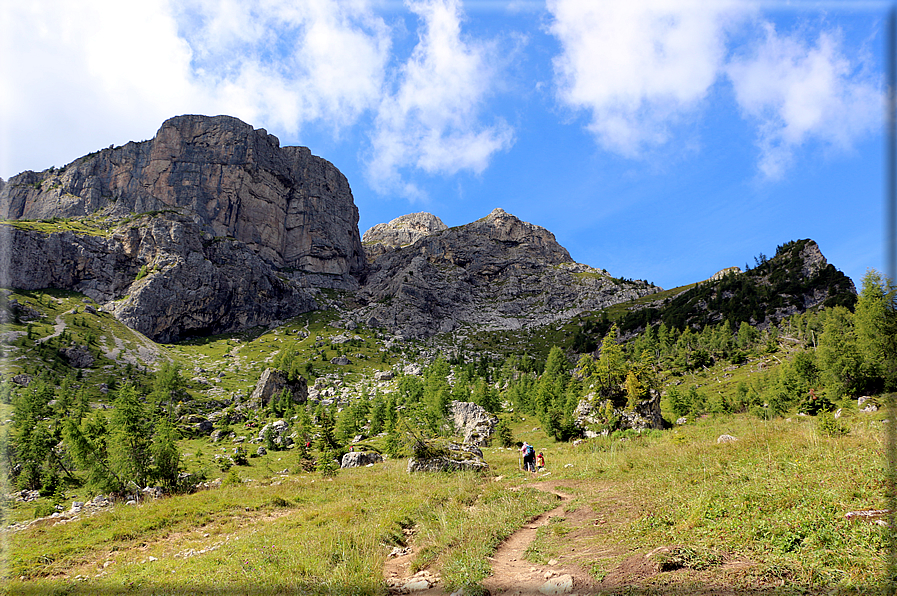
<point>213,227</point>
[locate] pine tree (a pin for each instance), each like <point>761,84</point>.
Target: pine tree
<point>611,367</point>
<point>86,446</point>
<point>875,320</point>
<point>838,357</point>
<point>31,439</point>
<point>129,437</point>
<point>165,455</point>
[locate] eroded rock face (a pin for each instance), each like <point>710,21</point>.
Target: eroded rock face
<point>473,421</point>
<point>235,231</point>
<point>496,273</point>
<point>399,232</point>
<point>272,383</point>
<point>189,284</point>
<point>291,208</point>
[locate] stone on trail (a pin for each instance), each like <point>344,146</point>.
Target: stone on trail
<point>563,584</point>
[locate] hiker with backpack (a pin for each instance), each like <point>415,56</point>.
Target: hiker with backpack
<point>529,457</point>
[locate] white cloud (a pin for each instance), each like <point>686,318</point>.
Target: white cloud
<point>431,122</point>
<point>638,66</point>
<point>289,62</point>
<point>797,93</point>
<point>79,75</point>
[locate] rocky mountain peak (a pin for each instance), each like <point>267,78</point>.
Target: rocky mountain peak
<point>210,226</point>
<point>291,208</point>
<point>402,231</point>
<point>498,272</point>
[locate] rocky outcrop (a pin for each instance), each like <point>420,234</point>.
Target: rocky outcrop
<point>78,356</point>
<point>234,230</point>
<point>279,433</point>
<point>724,272</point>
<point>496,273</point>
<point>473,422</point>
<point>402,231</point>
<point>594,417</point>
<point>293,209</point>
<point>272,383</point>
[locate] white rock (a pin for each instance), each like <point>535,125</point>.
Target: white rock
<point>417,585</point>
<point>563,584</point>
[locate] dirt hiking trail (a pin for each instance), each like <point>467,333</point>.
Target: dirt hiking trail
<point>512,574</point>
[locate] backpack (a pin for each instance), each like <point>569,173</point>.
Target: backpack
<point>530,451</point>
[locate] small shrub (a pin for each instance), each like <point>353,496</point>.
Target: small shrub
<point>327,465</point>
<point>44,510</point>
<point>827,424</point>
<point>281,502</point>
<point>232,478</point>
<point>763,412</point>
<point>240,456</point>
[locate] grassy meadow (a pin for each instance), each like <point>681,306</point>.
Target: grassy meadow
<point>766,512</point>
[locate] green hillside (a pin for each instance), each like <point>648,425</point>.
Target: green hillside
<point>765,512</point>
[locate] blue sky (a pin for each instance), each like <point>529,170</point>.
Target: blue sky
<point>660,140</point>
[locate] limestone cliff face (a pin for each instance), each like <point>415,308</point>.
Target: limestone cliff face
<point>161,276</point>
<point>497,273</point>
<point>291,208</point>
<point>209,227</point>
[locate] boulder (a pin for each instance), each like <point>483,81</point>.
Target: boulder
<point>447,457</point>
<point>272,383</point>
<point>357,459</point>
<point>220,435</point>
<point>447,464</point>
<point>562,584</point>
<point>591,415</point>
<point>383,375</point>
<point>473,422</point>
<point>153,492</point>
<point>203,427</point>
<point>340,360</point>
<point>78,356</point>
<point>22,379</point>
<point>280,431</point>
